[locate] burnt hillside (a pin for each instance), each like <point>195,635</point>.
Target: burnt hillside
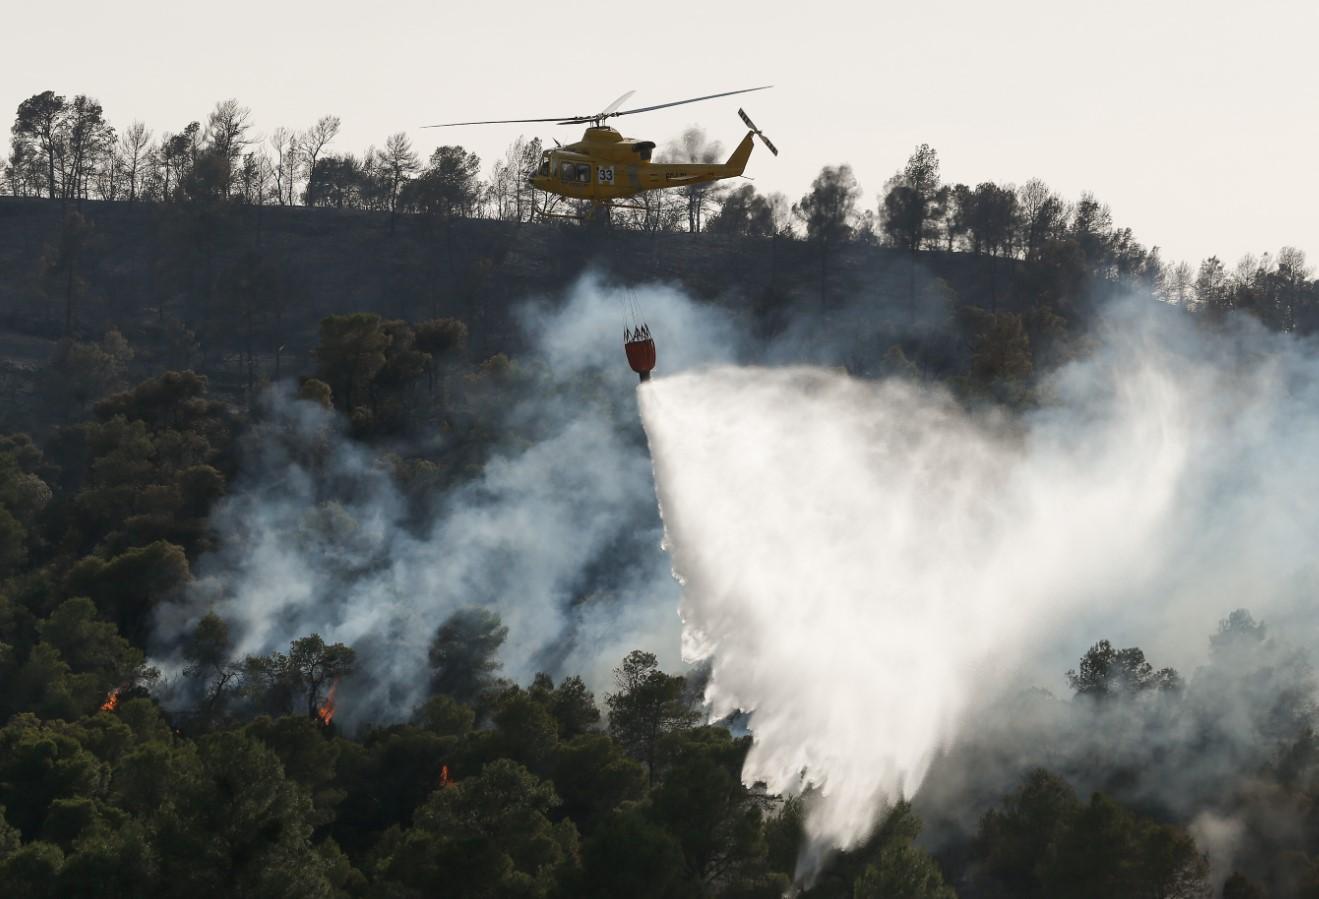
<point>238,293</point>
<point>136,265</point>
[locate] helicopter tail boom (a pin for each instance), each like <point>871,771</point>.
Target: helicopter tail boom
<point>737,162</point>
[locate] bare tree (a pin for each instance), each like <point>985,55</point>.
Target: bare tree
<point>134,150</point>
<point>1292,265</point>
<point>510,192</point>
<point>227,126</point>
<point>781,214</point>
<point>109,168</point>
<point>313,142</point>
<point>254,179</point>
<point>1043,216</point>
<point>653,211</point>
<point>1178,286</point>
<point>1212,288</point>
<point>399,162</point>
<point>1290,280</point>
<point>524,193</point>
<point>695,147</point>
<point>285,144</point>
<point>374,182</point>
<point>502,177</point>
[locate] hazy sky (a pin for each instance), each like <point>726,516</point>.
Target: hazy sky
<point>1198,122</point>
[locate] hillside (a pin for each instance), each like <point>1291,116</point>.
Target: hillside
<point>245,281</point>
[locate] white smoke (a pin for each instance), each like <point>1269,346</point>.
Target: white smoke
<point>865,564</point>
<point>557,532</point>
<point>868,567</point>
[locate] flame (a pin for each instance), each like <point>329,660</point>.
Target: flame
<point>111,700</point>
<point>444,777</point>
<point>326,712</point>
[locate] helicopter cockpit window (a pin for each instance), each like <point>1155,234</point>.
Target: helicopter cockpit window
<point>545,165</point>
<point>578,172</point>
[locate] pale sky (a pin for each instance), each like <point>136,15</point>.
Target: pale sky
<point>1197,122</point>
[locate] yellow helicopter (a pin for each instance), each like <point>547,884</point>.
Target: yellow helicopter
<point>604,166</point>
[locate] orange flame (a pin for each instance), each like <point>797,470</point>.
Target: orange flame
<point>111,700</point>
<point>444,777</point>
<point>326,712</point>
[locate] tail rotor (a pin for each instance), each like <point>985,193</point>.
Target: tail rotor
<point>769,145</point>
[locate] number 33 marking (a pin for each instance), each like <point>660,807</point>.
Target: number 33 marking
<point>606,174</point>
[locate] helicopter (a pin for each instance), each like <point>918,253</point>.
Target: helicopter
<point>605,167</point>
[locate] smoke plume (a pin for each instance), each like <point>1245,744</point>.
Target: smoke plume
<point>868,566</point>
<point>873,570</point>
<point>557,531</point>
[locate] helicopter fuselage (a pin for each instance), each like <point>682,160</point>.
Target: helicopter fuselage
<point>605,166</point>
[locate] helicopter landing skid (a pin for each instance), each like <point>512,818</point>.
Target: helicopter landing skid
<point>592,214</point>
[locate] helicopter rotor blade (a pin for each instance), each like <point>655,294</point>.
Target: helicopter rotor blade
<point>745,90</point>
<point>582,120</point>
<point>609,110</point>
<point>495,122</point>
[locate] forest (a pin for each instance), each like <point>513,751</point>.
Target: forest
<point>175,308</point>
